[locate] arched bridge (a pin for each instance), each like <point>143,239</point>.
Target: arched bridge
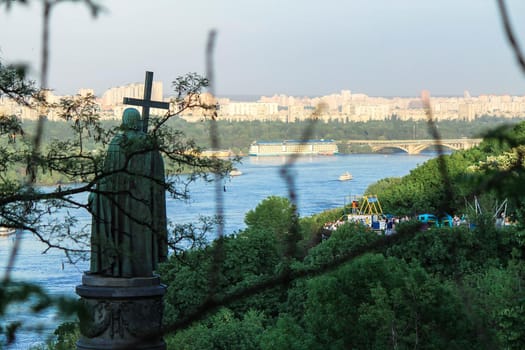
<point>416,146</point>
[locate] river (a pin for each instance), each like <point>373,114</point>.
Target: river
<point>316,185</point>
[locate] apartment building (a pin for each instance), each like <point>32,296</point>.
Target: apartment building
<point>343,107</point>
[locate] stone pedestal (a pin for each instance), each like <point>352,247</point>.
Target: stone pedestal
<point>121,313</point>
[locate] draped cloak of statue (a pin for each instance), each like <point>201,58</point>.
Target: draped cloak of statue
<point>129,232</point>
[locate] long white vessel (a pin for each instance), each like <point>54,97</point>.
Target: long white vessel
<point>290,147</point>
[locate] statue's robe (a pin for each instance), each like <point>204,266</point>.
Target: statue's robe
<point>129,232</point>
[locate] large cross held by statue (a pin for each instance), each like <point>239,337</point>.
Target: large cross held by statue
<point>146,103</point>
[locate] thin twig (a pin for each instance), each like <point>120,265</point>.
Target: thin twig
<point>218,250</point>
<point>442,163</point>
<point>510,35</point>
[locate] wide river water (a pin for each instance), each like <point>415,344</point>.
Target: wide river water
<point>316,185</point>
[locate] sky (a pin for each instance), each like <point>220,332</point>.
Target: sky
<point>266,47</point>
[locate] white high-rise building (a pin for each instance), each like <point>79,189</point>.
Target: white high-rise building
<point>114,96</point>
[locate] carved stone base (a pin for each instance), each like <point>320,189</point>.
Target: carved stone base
<point>121,313</point>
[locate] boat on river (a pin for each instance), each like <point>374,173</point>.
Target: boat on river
<point>345,176</point>
<point>326,153</point>
<point>6,231</point>
<point>235,172</point>
<point>293,147</point>
<point>221,153</point>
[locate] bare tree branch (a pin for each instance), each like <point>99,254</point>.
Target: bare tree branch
<point>510,35</point>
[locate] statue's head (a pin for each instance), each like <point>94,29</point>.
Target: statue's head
<point>131,119</point>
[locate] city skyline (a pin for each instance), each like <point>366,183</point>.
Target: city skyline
<point>296,48</point>
<point>344,106</point>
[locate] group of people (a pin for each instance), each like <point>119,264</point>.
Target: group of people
<point>387,225</point>
<point>456,221</point>
<point>391,222</point>
<point>502,220</point>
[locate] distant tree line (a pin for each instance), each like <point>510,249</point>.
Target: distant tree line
<point>238,136</point>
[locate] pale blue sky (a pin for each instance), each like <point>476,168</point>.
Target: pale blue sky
<point>294,47</point>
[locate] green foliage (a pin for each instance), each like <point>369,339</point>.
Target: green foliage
<point>346,239</point>
<point>448,287</point>
<point>67,335</point>
<point>239,135</point>
<point>221,331</point>
<point>287,334</point>
<point>495,298</point>
<point>383,186</point>
<point>425,189</point>
<point>500,169</point>
<point>447,252</point>
<point>277,217</point>
<point>82,113</point>
<point>247,258</point>
<point>480,172</point>
<point>380,303</point>
<point>312,228</point>
<point>14,85</point>
<point>187,280</point>
<point>274,215</point>
<point>430,289</point>
<point>65,338</point>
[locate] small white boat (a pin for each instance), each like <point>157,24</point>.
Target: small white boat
<point>345,176</point>
<point>235,172</point>
<point>6,231</point>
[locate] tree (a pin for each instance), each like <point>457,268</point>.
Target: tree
<point>277,217</point>
<point>383,303</point>
<point>274,214</point>
<point>221,331</point>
